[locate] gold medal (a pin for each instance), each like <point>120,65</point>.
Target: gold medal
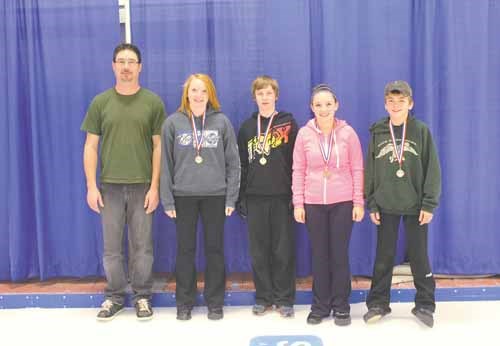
<point>198,159</point>
<point>400,173</point>
<point>262,161</point>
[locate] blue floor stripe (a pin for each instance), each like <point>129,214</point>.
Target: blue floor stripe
<point>166,299</point>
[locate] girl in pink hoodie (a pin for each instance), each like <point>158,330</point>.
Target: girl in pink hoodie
<point>327,185</point>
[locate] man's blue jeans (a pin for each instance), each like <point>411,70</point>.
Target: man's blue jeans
<point>124,205</point>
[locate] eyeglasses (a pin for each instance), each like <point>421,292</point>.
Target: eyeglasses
<point>123,62</point>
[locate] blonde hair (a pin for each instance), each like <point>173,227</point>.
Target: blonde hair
<point>264,81</point>
<point>212,93</point>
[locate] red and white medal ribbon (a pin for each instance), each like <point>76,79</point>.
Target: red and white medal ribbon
<point>198,140</point>
<point>261,145</point>
<point>399,154</point>
<point>326,149</point>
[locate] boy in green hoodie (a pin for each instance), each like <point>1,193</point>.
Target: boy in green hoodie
<point>402,180</point>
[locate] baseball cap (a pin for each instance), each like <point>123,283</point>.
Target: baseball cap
<point>398,86</point>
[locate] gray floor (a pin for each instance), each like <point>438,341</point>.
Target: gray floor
<point>457,323</point>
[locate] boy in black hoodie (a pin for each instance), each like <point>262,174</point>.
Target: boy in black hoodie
<point>265,142</point>
<point>402,180</point>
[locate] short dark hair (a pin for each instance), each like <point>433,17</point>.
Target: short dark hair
<point>127,46</point>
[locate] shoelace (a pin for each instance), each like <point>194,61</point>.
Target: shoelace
<point>107,305</point>
<point>143,305</point>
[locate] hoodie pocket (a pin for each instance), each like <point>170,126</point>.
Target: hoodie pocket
<point>397,194</point>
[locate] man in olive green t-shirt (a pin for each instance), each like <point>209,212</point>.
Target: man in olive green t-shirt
<point>128,119</point>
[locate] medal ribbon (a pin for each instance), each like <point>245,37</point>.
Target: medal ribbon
<point>326,151</point>
<point>261,145</point>
<point>399,154</point>
<point>198,140</point>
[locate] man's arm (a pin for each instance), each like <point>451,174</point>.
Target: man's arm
<point>90,155</point>
<point>152,197</point>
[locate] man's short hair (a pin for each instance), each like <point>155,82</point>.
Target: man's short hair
<point>127,46</point>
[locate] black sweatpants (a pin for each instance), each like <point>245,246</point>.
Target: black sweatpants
<point>330,228</point>
<point>272,248</point>
<point>387,235</point>
<point>212,211</point>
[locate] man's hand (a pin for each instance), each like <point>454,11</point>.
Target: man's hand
<point>151,200</point>
<point>171,213</point>
<point>375,217</point>
<point>300,215</point>
<point>425,217</point>
<point>94,199</point>
<point>229,211</point>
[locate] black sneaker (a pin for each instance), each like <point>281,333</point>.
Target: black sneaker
<point>375,313</point>
<point>143,310</point>
<point>286,311</point>
<point>424,315</point>
<point>314,318</point>
<point>109,310</point>
<point>183,314</point>
<point>260,310</point>
<point>215,314</point>
<point>342,318</point>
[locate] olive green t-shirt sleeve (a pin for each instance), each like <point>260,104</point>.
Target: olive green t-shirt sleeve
<point>159,116</point>
<point>92,121</point>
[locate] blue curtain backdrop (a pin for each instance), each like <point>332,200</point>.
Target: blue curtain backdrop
<point>57,57</point>
<point>448,50</point>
